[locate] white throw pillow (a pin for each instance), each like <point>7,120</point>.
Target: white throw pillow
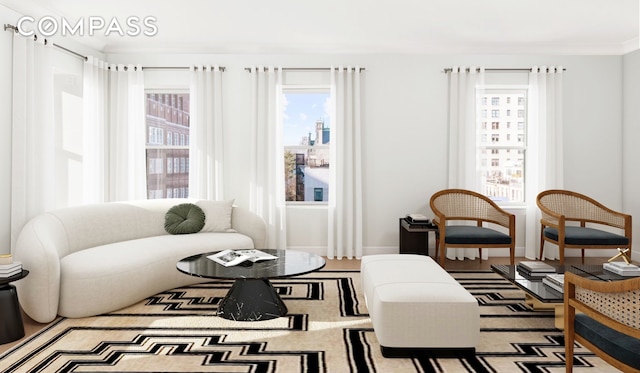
<point>217,215</point>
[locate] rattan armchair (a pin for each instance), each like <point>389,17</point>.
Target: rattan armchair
<point>455,205</point>
<point>608,320</point>
<point>565,216</point>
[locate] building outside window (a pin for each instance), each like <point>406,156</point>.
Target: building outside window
<point>502,175</point>
<point>167,117</point>
<point>307,144</point>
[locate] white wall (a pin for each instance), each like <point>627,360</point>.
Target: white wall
<point>631,139</point>
<point>405,132</point>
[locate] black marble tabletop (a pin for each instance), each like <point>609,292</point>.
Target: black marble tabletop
<point>288,263</point>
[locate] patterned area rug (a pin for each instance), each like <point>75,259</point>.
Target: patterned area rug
<point>327,330</point>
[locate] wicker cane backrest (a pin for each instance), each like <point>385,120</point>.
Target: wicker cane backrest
<point>624,307</point>
<point>577,207</point>
<point>460,204</point>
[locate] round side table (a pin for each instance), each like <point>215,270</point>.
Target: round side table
<point>11,327</point>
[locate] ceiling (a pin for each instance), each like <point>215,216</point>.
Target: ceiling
<point>355,26</point>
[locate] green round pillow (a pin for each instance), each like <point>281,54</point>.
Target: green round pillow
<point>183,219</point>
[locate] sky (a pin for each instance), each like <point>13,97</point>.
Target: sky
<point>301,111</point>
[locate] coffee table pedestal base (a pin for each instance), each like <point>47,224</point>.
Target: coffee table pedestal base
<point>252,300</point>
<point>558,309</point>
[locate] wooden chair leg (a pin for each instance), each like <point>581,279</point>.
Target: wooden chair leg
<point>480,253</point>
<point>512,255</point>
<point>541,243</point>
<point>582,250</point>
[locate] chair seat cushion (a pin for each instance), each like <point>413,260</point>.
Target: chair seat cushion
<point>618,345</point>
<point>586,236</point>
<point>467,234</point>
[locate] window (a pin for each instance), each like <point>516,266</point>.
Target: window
<point>155,166</point>
<point>501,171</point>
<point>307,141</point>
<point>167,119</point>
<point>317,194</point>
<point>155,135</point>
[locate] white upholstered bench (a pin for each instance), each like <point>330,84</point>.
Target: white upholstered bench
<point>416,306</point>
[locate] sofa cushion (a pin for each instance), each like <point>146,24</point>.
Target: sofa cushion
<point>467,234</point>
<point>217,215</point>
<point>184,218</point>
<point>586,236</point>
<point>621,346</point>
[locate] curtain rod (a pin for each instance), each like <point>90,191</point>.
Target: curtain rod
<point>505,69</point>
<point>307,68</point>
<point>35,37</point>
<point>15,29</point>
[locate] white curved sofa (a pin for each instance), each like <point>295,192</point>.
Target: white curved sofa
<point>92,259</point>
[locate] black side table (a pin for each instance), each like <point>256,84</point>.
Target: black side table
<point>414,238</point>
<point>11,327</point>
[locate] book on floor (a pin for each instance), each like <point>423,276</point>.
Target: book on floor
<point>230,258</point>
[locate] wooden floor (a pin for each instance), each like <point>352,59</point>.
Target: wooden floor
<point>31,327</point>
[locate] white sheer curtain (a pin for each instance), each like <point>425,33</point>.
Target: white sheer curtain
<point>267,190</point>
<point>114,158</point>
<point>33,151</point>
<point>345,189</point>
<point>544,161</point>
<point>206,146</point>
<point>127,157</point>
<point>465,88</point>
<point>94,136</point>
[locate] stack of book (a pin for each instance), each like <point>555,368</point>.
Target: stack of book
<point>8,270</point>
<point>554,281</point>
<point>418,219</point>
<point>535,268</point>
<point>622,268</point>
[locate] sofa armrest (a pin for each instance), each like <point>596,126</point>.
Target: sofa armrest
<point>250,224</point>
<point>40,246</point>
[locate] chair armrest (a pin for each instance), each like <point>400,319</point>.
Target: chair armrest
<point>612,303</point>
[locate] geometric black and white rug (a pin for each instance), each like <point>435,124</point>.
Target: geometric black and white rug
<point>327,329</point>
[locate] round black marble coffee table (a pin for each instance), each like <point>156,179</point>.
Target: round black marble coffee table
<point>252,297</point>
